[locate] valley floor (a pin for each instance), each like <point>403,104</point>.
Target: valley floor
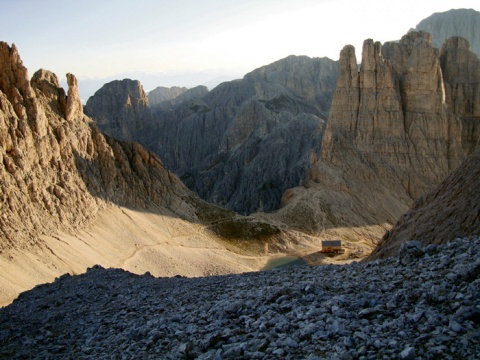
<point>156,242</point>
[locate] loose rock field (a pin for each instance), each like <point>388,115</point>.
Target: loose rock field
<point>423,304</point>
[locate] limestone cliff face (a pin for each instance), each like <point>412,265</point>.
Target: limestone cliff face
<point>121,110</point>
<point>461,75</point>
<point>456,22</point>
<point>249,140</point>
<point>313,80</point>
<point>397,126</point>
<point>397,118</point>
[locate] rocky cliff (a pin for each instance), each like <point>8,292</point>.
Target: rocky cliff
<point>461,78</point>
<point>397,126</point>
<point>397,119</point>
<point>121,110</point>
<point>245,142</point>
<point>251,139</point>
<point>57,169</point>
<point>456,22</point>
<point>449,210</point>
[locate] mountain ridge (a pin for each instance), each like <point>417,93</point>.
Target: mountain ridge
<point>216,142</point>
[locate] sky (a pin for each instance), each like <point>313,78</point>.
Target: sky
<point>182,42</point>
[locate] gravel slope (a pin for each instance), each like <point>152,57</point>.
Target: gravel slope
<point>424,304</point>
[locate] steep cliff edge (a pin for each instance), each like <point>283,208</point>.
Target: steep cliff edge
<point>397,119</point>
<point>57,169</point>
<point>461,76</point>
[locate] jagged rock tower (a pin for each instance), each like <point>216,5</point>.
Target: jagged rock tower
<point>397,126</point>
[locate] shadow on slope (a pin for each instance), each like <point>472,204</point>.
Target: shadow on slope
<point>450,210</point>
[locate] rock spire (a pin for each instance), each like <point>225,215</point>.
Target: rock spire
<point>393,112</point>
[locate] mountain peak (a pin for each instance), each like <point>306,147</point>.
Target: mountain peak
<point>456,22</point>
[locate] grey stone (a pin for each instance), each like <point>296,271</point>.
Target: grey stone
<point>222,317</point>
<point>408,353</point>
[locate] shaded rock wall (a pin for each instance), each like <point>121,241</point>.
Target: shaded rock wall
<point>167,98</point>
<point>161,94</point>
<point>449,210</point>
<point>461,75</point>
<point>244,143</point>
<point>121,110</point>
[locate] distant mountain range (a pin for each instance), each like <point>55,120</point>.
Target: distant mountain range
<point>239,145</point>
<point>150,80</point>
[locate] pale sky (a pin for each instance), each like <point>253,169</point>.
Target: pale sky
<point>103,38</point>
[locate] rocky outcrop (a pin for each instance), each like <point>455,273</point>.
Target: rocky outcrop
<point>450,210</point>
<point>121,110</point>
<point>456,22</point>
<point>391,135</point>
<point>74,107</point>
<point>57,170</point>
<point>399,121</point>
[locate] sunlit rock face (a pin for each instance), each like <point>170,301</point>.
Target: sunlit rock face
<point>56,169</point>
<point>399,118</point>
<point>398,125</point>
